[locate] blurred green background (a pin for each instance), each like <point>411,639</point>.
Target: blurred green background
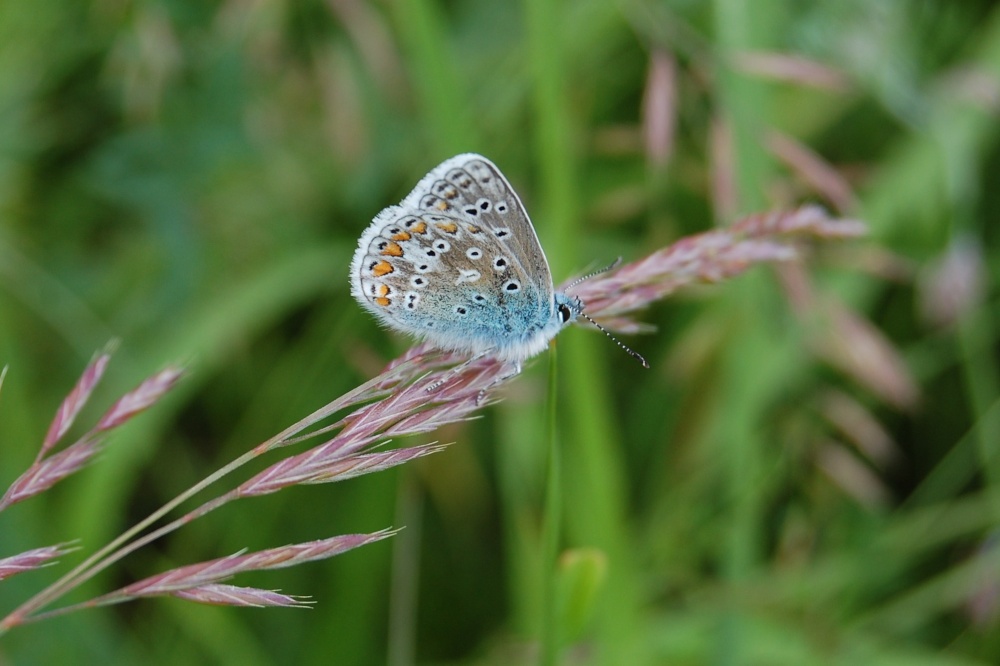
<point>808,474</point>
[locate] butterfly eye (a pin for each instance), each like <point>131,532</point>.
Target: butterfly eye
<point>564,313</point>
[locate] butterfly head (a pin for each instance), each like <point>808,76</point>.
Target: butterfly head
<point>567,309</point>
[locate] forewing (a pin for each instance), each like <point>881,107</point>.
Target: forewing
<point>452,281</point>
<point>470,188</point>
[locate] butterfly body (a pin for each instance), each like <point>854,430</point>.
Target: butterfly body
<point>458,264</point>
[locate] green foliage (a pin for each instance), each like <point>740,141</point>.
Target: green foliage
<point>191,178</point>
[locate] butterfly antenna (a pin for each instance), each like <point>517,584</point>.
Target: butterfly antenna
<point>634,354</point>
<point>607,268</point>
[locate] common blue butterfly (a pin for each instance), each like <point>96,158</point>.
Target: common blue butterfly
<point>458,264</point>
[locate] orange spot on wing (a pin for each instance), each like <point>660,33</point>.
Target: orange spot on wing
<point>420,227</point>
<point>473,229</point>
<point>383,290</point>
<point>383,301</point>
<point>401,236</point>
<point>393,250</point>
<point>442,205</point>
<point>382,268</point>
<point>447,227</point>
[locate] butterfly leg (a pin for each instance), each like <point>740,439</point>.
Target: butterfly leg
<point>454,372</point>
<point>502,378</point>
<point>515,371</point>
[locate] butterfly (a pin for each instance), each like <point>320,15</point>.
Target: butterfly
<point>458,263</point>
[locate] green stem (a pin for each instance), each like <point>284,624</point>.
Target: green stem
<point>549,654</point>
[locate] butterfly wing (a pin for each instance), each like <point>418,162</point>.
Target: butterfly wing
<point>471,188</point>
<point>474,281</point>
